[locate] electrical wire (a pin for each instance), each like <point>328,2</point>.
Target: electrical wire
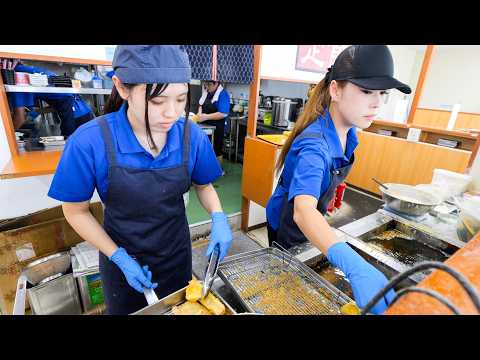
<point>472,293</point>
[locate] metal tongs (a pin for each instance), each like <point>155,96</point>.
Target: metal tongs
<point>211,271</point>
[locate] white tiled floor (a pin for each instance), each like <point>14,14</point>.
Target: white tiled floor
<point>260,236</point>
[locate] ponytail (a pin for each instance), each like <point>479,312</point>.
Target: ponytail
<point>315,106</point>
<point>114,102</point>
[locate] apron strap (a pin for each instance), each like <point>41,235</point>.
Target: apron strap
<point>107,137</point>
<point>186,143</point>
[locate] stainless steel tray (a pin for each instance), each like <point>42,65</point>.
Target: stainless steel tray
<point>244,272</point>
<point>164,306</point>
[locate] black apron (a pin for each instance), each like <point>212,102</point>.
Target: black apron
<point>288,234</point>
<point>145,214</point>
<point>209,108</point>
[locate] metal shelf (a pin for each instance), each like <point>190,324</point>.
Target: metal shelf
<point>56,90</point>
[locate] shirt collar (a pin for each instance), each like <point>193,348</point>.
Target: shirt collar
<point>128,142</point>
<point>333,140</point>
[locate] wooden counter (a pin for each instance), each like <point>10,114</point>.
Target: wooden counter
<point>31,164</point>
<point>397,160</point>
<point>258,178</point>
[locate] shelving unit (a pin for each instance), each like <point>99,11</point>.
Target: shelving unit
<point>56,90</point>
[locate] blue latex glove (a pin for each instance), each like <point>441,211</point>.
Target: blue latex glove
<point>365,279</point>
<point>221,234</point>
<point>137,277</point>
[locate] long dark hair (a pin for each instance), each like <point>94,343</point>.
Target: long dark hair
<point>115,102</point>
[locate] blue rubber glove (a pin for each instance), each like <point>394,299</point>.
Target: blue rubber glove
<point>365,279</point>
<point>221,234</point>
<point>137,277</point>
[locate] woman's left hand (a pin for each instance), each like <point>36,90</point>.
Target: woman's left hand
<point>202,117</point>
<point>221,234</point>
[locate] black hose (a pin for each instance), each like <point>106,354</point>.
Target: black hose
<point>428,292</point>
<point>420,267</point>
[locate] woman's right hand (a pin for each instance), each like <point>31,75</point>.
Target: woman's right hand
<point>365,279</point>
<point>137,277</point>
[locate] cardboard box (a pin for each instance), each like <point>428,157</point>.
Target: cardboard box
<point>20,246</point>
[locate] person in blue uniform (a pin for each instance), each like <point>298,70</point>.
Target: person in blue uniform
<point>141,158</point>
<point>214,107</point>
<point>71,108</point>
<point>319,154</point>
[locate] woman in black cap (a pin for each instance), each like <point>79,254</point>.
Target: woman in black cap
<point>141,158</point>
<point>319,154</point>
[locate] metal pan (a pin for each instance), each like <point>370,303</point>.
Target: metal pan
<point>408,199</point>
<point>164,306</point>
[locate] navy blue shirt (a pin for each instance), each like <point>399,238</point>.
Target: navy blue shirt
<point>83,166</point>
<point>308,164</point>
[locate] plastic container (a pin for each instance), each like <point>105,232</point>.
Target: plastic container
<point>469,219</point>
<point>456,182</point>
<point>21,79</point>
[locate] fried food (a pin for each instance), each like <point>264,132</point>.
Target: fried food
<point>213,304</point>
<point>190,308</point>
<point>194,290</point>
<point>350,308</point>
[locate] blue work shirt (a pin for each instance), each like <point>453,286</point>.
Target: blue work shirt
<point>308,165</point>
<point>24,99</point>
<point>223,103</point>
<point>83,166</point>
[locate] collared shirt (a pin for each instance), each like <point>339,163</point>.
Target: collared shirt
<point>83,166</point>
<point>223,103</point>
<point>308,162</point>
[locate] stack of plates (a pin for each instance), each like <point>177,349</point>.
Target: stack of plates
<point>60,81</point>
<point>38,79</point>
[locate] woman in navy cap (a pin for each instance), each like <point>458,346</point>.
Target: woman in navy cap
<point>319,154</point>
<point>141,158</point>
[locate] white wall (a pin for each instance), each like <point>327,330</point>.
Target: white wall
<point>272,88</point>
<point>453,77</point>
<point>407,61</point>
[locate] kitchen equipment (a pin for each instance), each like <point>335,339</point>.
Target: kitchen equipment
<point>268,102</point>
<point>58,296</point>
<point>8,77</point>
<point>272,281</point>
<point>267,118</point>
<point>457,183</point>
<point>45,267</point>
<point>379,183</point>
<point>21,79</point>
<point>408,199</point>
<point>38,79</point>
<point>54,292</point>
<point>164,306</point>
<point>283,112</point>
<point>469,219</point>
<point>211,271</point>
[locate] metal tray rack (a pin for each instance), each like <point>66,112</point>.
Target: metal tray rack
<point>271,281</point>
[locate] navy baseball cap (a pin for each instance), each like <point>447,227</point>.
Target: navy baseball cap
<point>368,66</point>
<point>151,64</point>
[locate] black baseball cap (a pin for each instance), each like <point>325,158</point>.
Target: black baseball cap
<point>367,66</point>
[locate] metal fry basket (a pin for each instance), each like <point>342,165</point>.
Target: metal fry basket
<point>274,282</point>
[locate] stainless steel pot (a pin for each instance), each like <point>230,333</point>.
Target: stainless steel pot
<point>283,112</point>
<point>407,199</point>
